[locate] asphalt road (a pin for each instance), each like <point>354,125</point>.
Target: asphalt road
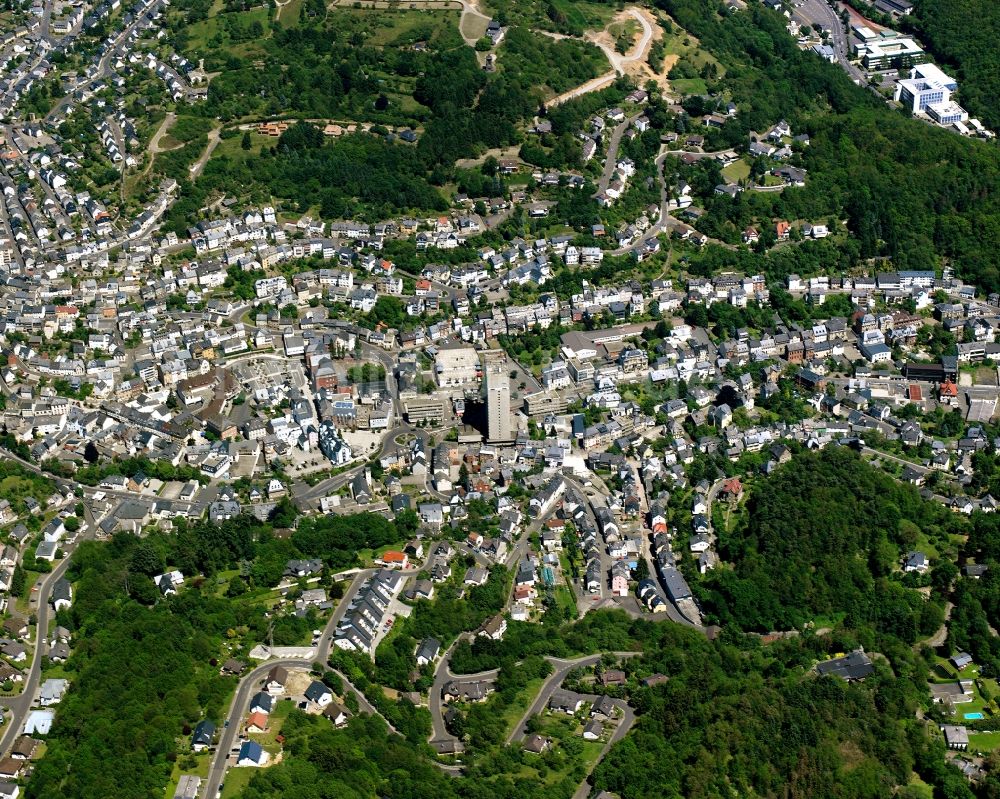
<point>624,725</point>
<point>251,683</point>
<point>551,684</point>
<point>194,509</point>
<point>442,676</point>
<point>21,704</point>
<point>819,13</point>
<point>305,494</point>
<point>612,159</point>
<point>363,702</point>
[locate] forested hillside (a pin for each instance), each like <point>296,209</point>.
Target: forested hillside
<point>963,35</point>
<point>736,719</point>
<point>823,537</point>
<point>141,678</point>
<point>905,189</point>
<point>145,668</point>
<point>733,719</point>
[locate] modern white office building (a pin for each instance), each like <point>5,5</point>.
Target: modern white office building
<point>890,53</point>
<point>947,113</point>
<point>928,91</point>
<point>926,86</point>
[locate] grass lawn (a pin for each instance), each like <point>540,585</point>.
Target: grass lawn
<point>473,27</point>
<point>513,712</point>
<point>233,146</point>
<point>21,603</point>
<point>201,33</point>
<point>681,43</point>
<point>819,622</point>
<point>204,760</point>
<point>404,103</point>
<point>924,545</point>
<point>367,556</point>
<point>222,580</point>
<point>290,13</point>
<point>394,632</point>
<point>943,671</point>
<point>560,727</point>
<point>942,664</point>
<point>977,705</point>
<point>236,780</point>
<point>690,86</point>
<point>919,788</point>
<point>56,671</point>
<point>628,28</point>
<point>565,599</point>
<point>275,722</point>
<point>385,28</point>
<point>736,171</point>
<point>983,741</point>
<point>565,564</point>
<point>587,15</point>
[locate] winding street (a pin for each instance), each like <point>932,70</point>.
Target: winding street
<point>562,668</point>
<point>611,161</point>
<point>549,687</point>
<point>250,684</point>
<point>624,725</point>
<point>21,704</point>
<point>665,222</point>
<point>441,677</point>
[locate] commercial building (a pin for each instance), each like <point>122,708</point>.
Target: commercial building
<point>947,113</point>
<point>915,94</point>
<point>456,366</point>
<point>864,33</point>
<point>424,409</point>
<point>934,74</point>
<point>826,52</point>
<point>896,8</point>
<point>543,403</point>
<point>498,416</point>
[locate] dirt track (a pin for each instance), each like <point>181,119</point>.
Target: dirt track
<point>633,63</point>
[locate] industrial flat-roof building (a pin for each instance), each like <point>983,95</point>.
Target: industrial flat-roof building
<point>456,366</point>
<point>424,409</point>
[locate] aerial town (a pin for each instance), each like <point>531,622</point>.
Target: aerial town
<point>618,440</point>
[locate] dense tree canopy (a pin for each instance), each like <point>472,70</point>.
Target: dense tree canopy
<point>968,50</point>
<point>738,719</point>
<point>824,536</point>
<point>905,189</point>
<point>141,678</point>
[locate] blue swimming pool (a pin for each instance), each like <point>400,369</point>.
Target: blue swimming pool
<point>974,715</point>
